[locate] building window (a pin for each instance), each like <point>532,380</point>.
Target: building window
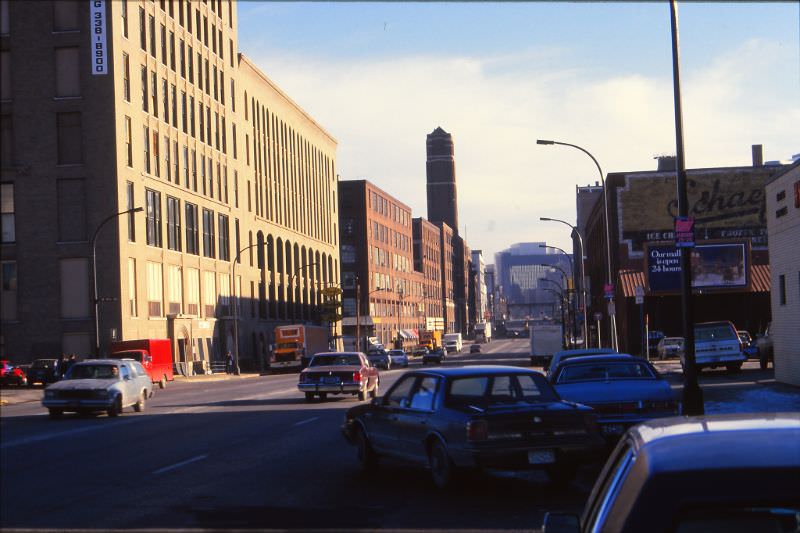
<point>8,302</point>
<point>193,291</point>
<point>186,167</point>
<point>224,238</point>
<point>156,160</point>
<point>190,61</point>
<point>67,72</point>
<point>152,21</point>
<point>5,75</point>
<point>71,210</point>
<point>65,15</point>
<point>167,161</point>
<point>7,223</point>
<point>203,173</point>
<point>192,243</point>
<point>172,50</point>
<point>147,149</point>
<point>175,289</point>
<point>233,95</point>
<point>182,58</point>
<point>154,289</point>
<point>145,97</point>
<point>194,170</point>
<point>154,93</point>
<point>74,287</point>
<point>174,98</point>
<point>208,233</point>
<point>225,293</point>
<point>209,294</point>
<point>124,11</point>
<point>165,99</point>
<point>782,289</point>
<point>70,147</point>
<point>175,162</point>
<point>184,116</point>
<point>131,215</point>
<point>142,30</point>
<point>191,115</point>
<point>133,308</point>
<point>153,211</point>
<point>233,138</point>
<point>126,77</point>
<point>173,224</point>
<point>202,122</point>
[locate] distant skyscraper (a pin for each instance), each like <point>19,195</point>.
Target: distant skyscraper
<point>441,172</point>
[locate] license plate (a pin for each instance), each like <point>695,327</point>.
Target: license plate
<point>541,457</point>
<point>331,380</point>
<point>613,429</point>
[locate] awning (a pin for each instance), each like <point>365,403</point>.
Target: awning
<point>409,334</point>
<point>630,279</point>
<point>404,334</point>
<point>351,321</point>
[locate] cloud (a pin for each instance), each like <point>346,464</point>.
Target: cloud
<point>380,110</point>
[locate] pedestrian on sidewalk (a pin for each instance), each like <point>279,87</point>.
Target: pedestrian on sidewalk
<point>229,363</point>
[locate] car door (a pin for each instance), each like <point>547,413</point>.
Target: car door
<point>128,384</point>
<point>382,417</point>
<point>412,422</point>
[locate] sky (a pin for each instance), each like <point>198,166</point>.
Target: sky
<point>380,76</point>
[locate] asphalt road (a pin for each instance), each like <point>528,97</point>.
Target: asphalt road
<point>251,453</point>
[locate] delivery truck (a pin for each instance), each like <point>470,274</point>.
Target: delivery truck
<point>546,339</point>
<point>430,339</point>
<point>483,332</point>
<point>296,345</point>
<point>453,342</point>
<point>154,354</point>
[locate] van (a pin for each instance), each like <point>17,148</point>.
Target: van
<point>453,342</point>
<point>154,354</point>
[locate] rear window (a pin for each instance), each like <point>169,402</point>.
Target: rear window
<point>335,360</point>
<point>499,389</point>
<point>604,372</point>
<point>136,356</point>
<point>715,332</point>
<point>92,372</point>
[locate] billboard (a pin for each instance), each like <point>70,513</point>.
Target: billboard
<point>725,204</point>
<point>714,266</point>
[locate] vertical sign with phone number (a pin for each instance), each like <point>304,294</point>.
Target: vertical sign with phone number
<point>97,23</point>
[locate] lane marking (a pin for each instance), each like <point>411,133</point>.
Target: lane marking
<point>305,421</point>
<point>182,463</point>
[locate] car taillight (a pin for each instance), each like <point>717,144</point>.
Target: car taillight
<point>356,376</point>
<point>477,430</point>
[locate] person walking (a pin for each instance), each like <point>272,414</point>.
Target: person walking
<point>229,363</point>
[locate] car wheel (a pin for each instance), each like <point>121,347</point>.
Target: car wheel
<point>162,384</point>
<point>309,397</point>
<point>441,466</point>
<point>561,475</point>
<point>323,396</point>
<point>139,405</point>
<point>55,414</point>
<point>734,367</point>
<point>374,392</point>
<point>366,456</point>
<point>362,394</point>
<point>116,407</point>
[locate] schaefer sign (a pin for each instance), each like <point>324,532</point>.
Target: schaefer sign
<point>97,23</point>
<point>715,266</point>
<point>726,204</point>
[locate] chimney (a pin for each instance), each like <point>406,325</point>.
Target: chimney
<point>758,155</point>
<point>666,163</point>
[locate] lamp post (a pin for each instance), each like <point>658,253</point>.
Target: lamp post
<point>236,370</point>
<point>95,299</point>
<point>564,303</point>
<point>605,211</point>
<point>583,285</point>
<point>561,300</point>
<point>566,284</point>
<point>358,311</point>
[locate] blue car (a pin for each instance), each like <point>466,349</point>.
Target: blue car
<point>623,390</point>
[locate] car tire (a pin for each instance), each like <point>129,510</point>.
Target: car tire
<point>365,455</point>
<point>561,475</point>
<point>440,465</point>
<point>140,404</point>
<point>734,367</point>
<point>116,408</point>
<point>309,397</point>
<point>55,414</point>
<point>323,396</point>
<point>162,383</point>
<point>374,392</point>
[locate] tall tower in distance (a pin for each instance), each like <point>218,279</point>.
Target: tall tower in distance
<point>441,173</point>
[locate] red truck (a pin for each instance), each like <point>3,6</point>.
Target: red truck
<point>154,354</point>
<point>296,345</point>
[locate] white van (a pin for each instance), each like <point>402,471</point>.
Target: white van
<point>453,342</point>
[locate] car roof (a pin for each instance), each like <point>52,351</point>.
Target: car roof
<point>477,370</point>
<point>338,353</point>
<point>695,443</point>
<point>716,323</point>
<point>584,351</point>
<point>102,361</point>
<point>600,358</point>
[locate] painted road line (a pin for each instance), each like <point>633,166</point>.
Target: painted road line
<point>305,421</point>
<point>182,463</point>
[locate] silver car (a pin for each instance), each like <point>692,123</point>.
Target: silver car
<point>399,358</point>
<point>107,385</point>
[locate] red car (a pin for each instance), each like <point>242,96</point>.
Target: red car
<point>339,373</point>
<point>11,375</point>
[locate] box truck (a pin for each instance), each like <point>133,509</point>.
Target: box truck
<point>483,332</point>
<point>296,345</point>
<point>154,354</point>
<point>546,339</point>
<point>453,342</point>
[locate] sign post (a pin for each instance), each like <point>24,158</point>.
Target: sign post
<point>598,316</point>
<point>640,303</point>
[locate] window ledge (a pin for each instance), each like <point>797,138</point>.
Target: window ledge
<point>67,98</point>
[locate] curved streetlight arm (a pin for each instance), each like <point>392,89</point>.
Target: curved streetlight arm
<point>95,299</point>
<point>236,369</point>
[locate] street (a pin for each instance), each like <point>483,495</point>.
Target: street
<point>249,452</point>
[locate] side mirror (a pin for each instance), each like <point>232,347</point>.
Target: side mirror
<point>561,523</point>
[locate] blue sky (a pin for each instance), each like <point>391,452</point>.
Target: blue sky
<point>380,76</point>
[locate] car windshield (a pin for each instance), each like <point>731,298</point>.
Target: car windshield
<point>335,360</point>
<point>92,372</point>
<point>505,389</point>
<point>714,333</point>
<point>136,356</point>
<point>605,371</point>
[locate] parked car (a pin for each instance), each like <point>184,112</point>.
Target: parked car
<point>475,348</point>
<point>107,385</point>
<point>670,347</point>
<point>398,358</point>
<point>435,357</point>
<point>339,373</point>
<point>623,390</point>
<point>563,355</point>
<point>42,371</point>
<point>717,344</point>
<point>765,350</point>
<point>749,345</point>
<point>380,358</point>
<point>477,417</point>
<point>11,374</point>
<point>707,467</point>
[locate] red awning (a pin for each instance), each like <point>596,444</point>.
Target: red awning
<point>630,279</point>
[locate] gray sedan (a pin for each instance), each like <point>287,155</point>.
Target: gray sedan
<point>399,358</point>
<point>107,385</point>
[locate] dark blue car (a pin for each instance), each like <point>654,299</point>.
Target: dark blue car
<point>480,417</point>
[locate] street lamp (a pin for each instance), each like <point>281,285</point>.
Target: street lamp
<point>236,370</point>
<point>605,210</point>
<point>95,299</point>
<point>358,310</point>
<point>566,284</point>
<point>583,270</point>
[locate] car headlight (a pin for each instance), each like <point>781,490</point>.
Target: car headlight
<point>101,393</point>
